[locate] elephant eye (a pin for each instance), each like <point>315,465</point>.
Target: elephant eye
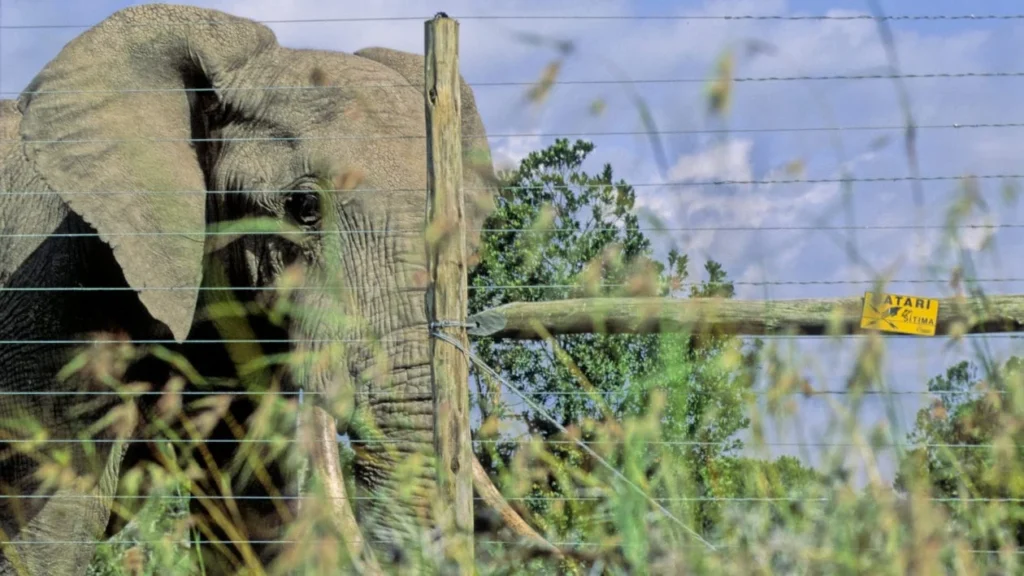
<point>304,207</point>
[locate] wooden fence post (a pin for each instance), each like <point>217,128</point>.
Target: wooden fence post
<point>447,297</point>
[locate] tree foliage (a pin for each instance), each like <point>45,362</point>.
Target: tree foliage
<point>558,232</point>
<point>967,449</point>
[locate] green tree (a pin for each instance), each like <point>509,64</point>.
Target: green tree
<point>784,477</point>
<point>561,232</point>
<point>966,452</point>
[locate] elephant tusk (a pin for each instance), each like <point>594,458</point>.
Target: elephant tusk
<point>489,493</point>
<point>326,465</point>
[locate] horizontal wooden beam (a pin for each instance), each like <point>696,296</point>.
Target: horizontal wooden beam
<point>529,320</point>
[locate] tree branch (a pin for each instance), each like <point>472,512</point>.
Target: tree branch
<point>489,493</point>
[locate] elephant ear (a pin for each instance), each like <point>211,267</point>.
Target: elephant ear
<point>108,125</point>
<point>479,179</point>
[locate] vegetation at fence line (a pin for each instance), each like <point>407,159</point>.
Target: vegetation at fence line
<point>980,491</point>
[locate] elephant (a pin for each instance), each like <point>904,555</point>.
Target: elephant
<point>148,130</point>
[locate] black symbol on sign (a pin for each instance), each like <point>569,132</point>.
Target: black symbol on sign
<point>884,314</point>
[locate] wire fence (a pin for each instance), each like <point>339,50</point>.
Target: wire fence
<point>588,82</point>
<point>418,19</point>
<point>551,442</point>
<point>257,233</point>
<point>764,182</point>
<point>533,399</point>
<point>244,497</point>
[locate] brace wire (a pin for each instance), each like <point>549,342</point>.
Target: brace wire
<point>473,358</point>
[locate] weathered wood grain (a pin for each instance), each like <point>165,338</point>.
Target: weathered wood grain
<point>448,294</point>
<point>529,320</point>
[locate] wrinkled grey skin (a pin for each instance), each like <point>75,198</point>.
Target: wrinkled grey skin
<point>70,134</point>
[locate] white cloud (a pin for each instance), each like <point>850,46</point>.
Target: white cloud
<point>976,238</point>
<point>508,152</point>
<point>726,161</point>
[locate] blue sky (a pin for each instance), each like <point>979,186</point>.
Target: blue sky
<point>687,49</point>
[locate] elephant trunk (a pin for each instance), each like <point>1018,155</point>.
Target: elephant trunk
<point>393,437</point>
<point>379,312</point>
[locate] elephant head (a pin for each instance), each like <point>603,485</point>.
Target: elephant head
<point>163,120</point>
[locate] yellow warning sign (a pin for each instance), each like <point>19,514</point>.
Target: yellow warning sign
<point>899,313</point>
